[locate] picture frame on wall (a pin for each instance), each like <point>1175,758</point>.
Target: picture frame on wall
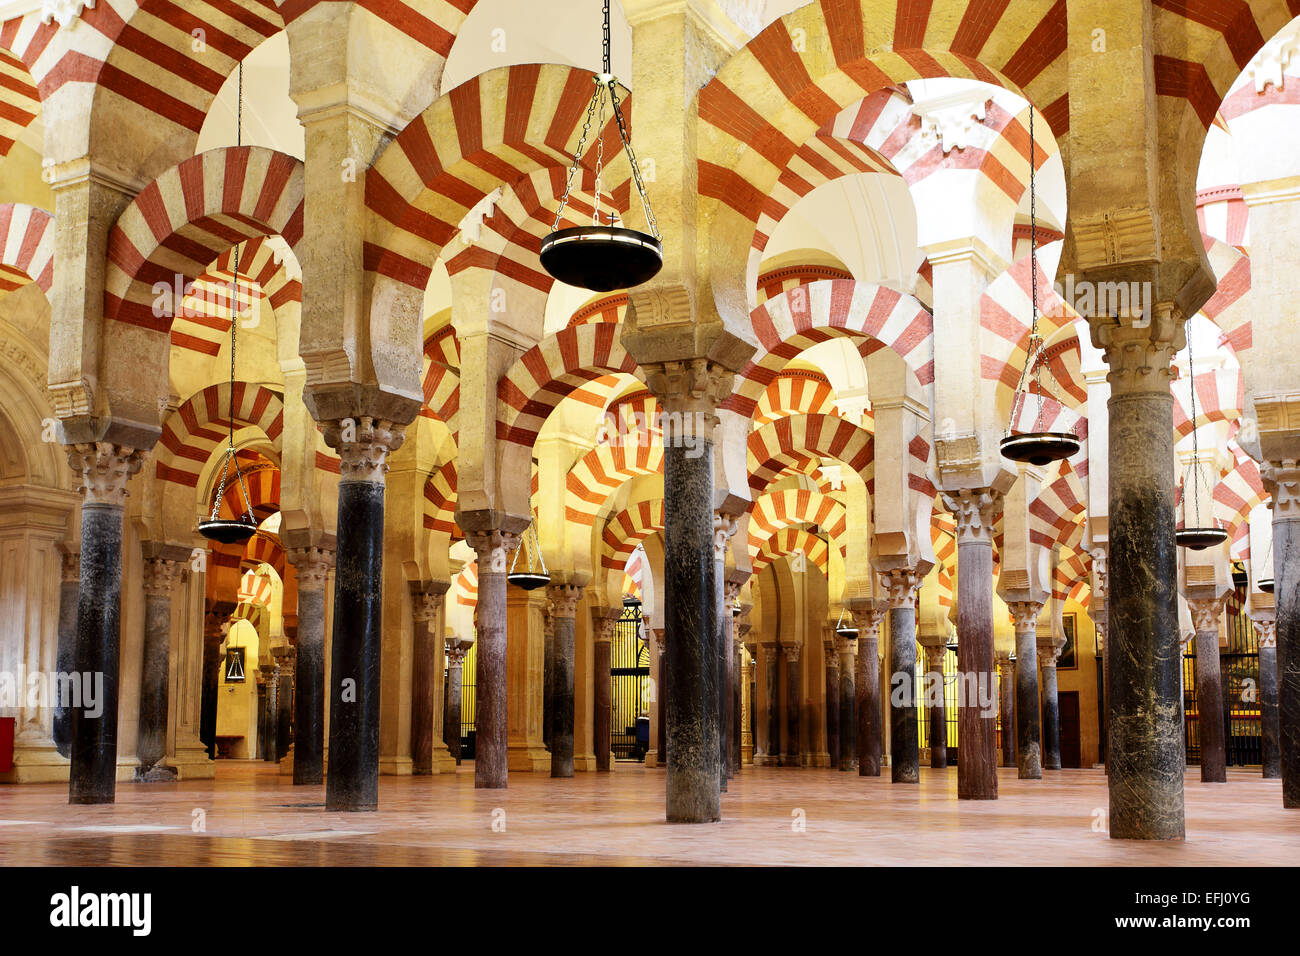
<point>1069,659</point>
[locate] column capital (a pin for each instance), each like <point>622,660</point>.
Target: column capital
<point>792,652</point>
<point>832,654</point>
<point>1205,613</point>
<point>1265,629</point>
<point>161,576</point>
<point>769,649</point>
<point>934,655</point>
<point>975,511</point>
<point>363,445</point>
<point>1139,349</point>
<point>1003,659</point>
<point>724,528</point>
<point>1025,614</point>
<point>1101,634</point>
<point>1282,481</point>
<point>313,565</point>
<point>426,599</point>
<point>689,385</point>
<point>564,600</point>
<point>1100,570</point>
<point>493,548</point>
<point>1049,650</point>
<point>902,585</point>
<point>868,619</point>
<point>104,469</point>
<point>731,591</point>
<point>847,647</point>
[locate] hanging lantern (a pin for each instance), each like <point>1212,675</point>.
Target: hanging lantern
<point>535,576</point>
<point>845,630</point>
<point>1197,536</point>
<point>1265,582</point>
<point>603,257</point>
<point>1039,446</point>
<point>244,526</point>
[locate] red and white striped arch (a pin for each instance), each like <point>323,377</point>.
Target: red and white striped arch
<point>1073,577</point>
<point>627,529</point>
<point>610,308</point>
<point>601,472</point>
<point>796,392</point>
<point>262,482</point>
<point>265,548</point>
<point>874,316</point>
<point>191,214</point>
<point>1238,492</point>
<point>26,247</point>
<point>783,443</point>
<point>789,542</point>
<point>440,502</point>
<point>1056,513</point>
<point>1226,307</point>
<point>771,513</point>
<point>466,586</point>
<point>943,538</point>
<point>1220,397</point>
<point>545,374</point>
<point>20,101</point>
<point>193,432</point>
<point>776,281</point>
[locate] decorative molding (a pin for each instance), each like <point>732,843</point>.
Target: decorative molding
<point>312,565</point>
<point>1025,614</point>
<point>160,576</point>
<point>975,511</point>
<point>1282,479</point>
<point>902,585</point>
<point>1115,236</point>
<point>493,549</point>
<point>64,12</point>
<point>1140,356</point>
<point>105,469</point>
<point>1268,66</point>
<point>363,446</point>
<point>564,600</point>
<point>724,529</point>
<point>1205,613</point>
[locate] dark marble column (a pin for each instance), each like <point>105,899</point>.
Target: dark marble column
<point>491,731</point>
<point>1209,689</point>
<point>937,705</point>
<point>738,684</point>
<point>1146,736</point>
<point>770,715</point>
<point>161,574</point>
<point>66,655</point>
<point>793,705</point>
<point>724,526</point>
<point>1007,705</point>
<point>866,689</point>
<point>1271,757</point>
<point>905,752</point>
<point>457,648</point>
<point>548,675</point>
<point>602,649</point>
<point>1048,653</point>
<point>832,698</point>
<point>661,695</point>
<point>729,713</point>
<point>1028,742</point>
<point>284,698</point>
<point>363,446</point>
<point>269,686</point>
<point>104,470</point>
<point>846,651</point>
<point>975,511</point>
<point>312,565</point>
<point>1283,480</point>
<point>426,600</point>
<point>564,609</point>
<point>1100,592</point>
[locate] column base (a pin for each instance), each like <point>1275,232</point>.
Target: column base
<point>586,763</point>
<point>158,773</point>
<point>767,760</point>
<point>443,761</point>
<point>822,759</point>
<point>399,766</point>
<point>36,760</point>
<point>652,758</point>
<point>747,756</point>
<point>528,758</point>
<point>191,761</point>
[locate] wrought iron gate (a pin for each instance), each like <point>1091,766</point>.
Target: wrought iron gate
<point>949,702</point>
<point>1239,671</point>
<point>630,695</point>
<point>467,701</point>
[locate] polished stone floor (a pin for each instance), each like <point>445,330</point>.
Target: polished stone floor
<point>251,815</point>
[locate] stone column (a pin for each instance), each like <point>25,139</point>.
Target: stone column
<point>975,511</point>
<point>661,693</point>
<point>793,705</point>
<point>728,685</point>
<point>1028,742</point>
<point>832,698</point>
<point>564,609</point>
<point>66,655</point>
<point>1100,592</point>
<point>1284,479</point>
<point>739,681</point>
<point>426,601</point>
<point>162,571</point>
<point>491,726</point>
<point>284,696</point>
<point>1270,755</point>
<point>1049,650</point>
<point>848,745</point>
<point>1209,689</point>
<point>724,526</point>
<point>313,566</point>
<point>548,674</point>
<point>605,628</point>
<point>457,648</point>
<point>866,688</point>
<point>934,655</point>
<point>905,754</point>
<point>363,446</point>
<point>770,714</point>
<point>104,469</point>
<point>1007,701</point>
<point>748,670</point>
<point>1146,739</point>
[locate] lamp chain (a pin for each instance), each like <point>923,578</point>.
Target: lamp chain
<point>1196,450</point>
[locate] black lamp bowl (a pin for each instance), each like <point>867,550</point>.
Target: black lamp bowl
<point>849,632</point>
<point>227,530</point>
<point>1039,448</point>
<point>528,580</point>
<point>602,258</point>
<point>1265,585</point>
<point>1198,539</point>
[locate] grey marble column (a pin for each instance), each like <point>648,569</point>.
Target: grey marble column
<point>869,717</point>
<point>738,685</point>
<point>312,565</point>
<point>564,609</point>
<point>793,705</point>
<point>602,741</point>
<point>1100,617</point>
<point>724,526</point>
<point>284,695</point>
<point>771,714</point>
<point>1265,630</point>
<point>66,655</point>
<point>904,745</point>
<point>661,695</point>
<point>1007,706</point>
<point>104,470</point>
<point>1029,757</point>
<point>548,675</point>
<point>491,730</point>
<point>1049,651</point>
<point>938,711</point>
<point>363,446</point>
<point>975,511</point>
<point>846,650</point>
<point>832,698</point>
<point>457,648</point>
<point>1146,736</point>
<point>426,601</point>
<point>162,572</point>
<point>727,733</point>
<point>1209,689</point>
<point>1283,477</point>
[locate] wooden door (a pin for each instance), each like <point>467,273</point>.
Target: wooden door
<point>1068,703</point>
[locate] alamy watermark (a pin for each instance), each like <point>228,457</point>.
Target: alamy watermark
<point>688,430</point>
<point>61,689</point>
<point>1095,299</point>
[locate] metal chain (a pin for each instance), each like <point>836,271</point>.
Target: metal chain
<point>636,167</point>
<point>1196,450</point>
<point>605,42</point>
<point>600,160</point>
<point>577,160</point>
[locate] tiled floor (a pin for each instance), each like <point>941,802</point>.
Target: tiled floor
<point>251,815</point>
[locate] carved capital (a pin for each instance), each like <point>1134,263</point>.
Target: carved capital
<point>724,529</point>
<point>867,620</point>
<point>1003,660</point>
<point>1100,585</point>
<point>564,600</point>
<point>731,592</point>
<point>792,652</point>
<point>1282,480</point>
<point>848,649</point>
<point>768,650</point>
<point>1101,635</point>
<point>1025,614</point>
<point>363,445</point>
<point>426,600</point>
<point>902,585</point>
<point>313,566</point>
<point>1205,613</point>
<point>607,628</point>
<point>975,511</point>
<point>1140,350</point>
<point>934,655</point>
<point>689,393</point>
<point>1049,651</point>
<point>104,469</point>
<point>493,549</point>
<point>832,657</point>
<point>1265,630</point>
<point>160,576</point>
<point>456,653</point>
